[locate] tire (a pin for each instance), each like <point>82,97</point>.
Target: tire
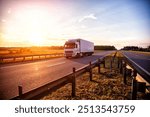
<point>78,55</point>
<point>81,54</point>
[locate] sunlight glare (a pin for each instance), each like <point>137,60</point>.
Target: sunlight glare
<point>32,24</point>
<point>35,40</point>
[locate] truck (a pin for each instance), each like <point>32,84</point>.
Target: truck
<point>78,48</point>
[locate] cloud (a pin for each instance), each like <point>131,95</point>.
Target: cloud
<point>90,16</point>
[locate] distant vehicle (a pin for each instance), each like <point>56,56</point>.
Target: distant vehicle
<point>78,48</point>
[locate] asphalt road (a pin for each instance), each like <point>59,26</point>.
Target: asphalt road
<point>140,60</point>
<point>32,75</point>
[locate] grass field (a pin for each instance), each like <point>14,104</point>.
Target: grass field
<point>14,52</point>
<point>26,51</point>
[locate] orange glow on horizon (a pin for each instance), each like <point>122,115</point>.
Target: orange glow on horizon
<point>31,25</point>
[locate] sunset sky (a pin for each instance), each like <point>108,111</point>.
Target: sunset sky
<point>52,22</point>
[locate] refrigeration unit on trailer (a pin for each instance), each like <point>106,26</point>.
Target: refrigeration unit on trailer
<point>78,48</point>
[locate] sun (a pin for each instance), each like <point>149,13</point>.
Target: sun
<point>32,25</point>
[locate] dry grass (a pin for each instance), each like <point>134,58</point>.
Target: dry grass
<point>34,52</point>
<point>105,86</point>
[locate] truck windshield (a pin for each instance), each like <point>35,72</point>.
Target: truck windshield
<point>70,45</point>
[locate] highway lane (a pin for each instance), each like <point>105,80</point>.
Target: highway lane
<point>141,60</point>
<point>35,74</point>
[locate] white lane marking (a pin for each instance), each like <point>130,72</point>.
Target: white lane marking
<point>56,64</point>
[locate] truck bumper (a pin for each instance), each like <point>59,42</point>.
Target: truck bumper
<point>69,54</point>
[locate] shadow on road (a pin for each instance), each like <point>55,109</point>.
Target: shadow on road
<point>86,59</point>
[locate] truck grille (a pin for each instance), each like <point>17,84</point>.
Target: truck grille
<point>68,52</point>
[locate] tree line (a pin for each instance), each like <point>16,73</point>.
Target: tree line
<point>136,48</point>
<point>104,47</point>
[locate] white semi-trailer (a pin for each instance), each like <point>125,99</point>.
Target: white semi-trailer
<point>78,48</point>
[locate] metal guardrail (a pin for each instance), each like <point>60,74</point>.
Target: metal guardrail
<point>136,86</point>
<point>69,78</point>
<point>145,74</point>
<point>27,56</point>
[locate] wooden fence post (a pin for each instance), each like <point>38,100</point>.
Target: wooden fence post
<point>124,73</point>
<point>90,71</point>
<point>20,91</point>
<point>134,86</point>
<point>74,82</point>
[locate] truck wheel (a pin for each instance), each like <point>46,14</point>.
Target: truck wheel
<point>78,55</point>
<point>81,54</point>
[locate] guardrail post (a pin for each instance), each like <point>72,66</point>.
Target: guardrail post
<point>111,64</point>
<point>103,62</point>
<point>74,82</point>
<point>90,71</point>
<point>23,59</point>
<point>14,59</point>
<point>1,60</point>
<point>134,86</point>
<point>99,66</point>
<point>141,87</point>
<point>124,73</point>
<point>114,57</point>
<point>20,91</point>
<point>120,66</point>
<point>118,62</point>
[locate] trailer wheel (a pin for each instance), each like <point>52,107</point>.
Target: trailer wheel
<point>81,54</point>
